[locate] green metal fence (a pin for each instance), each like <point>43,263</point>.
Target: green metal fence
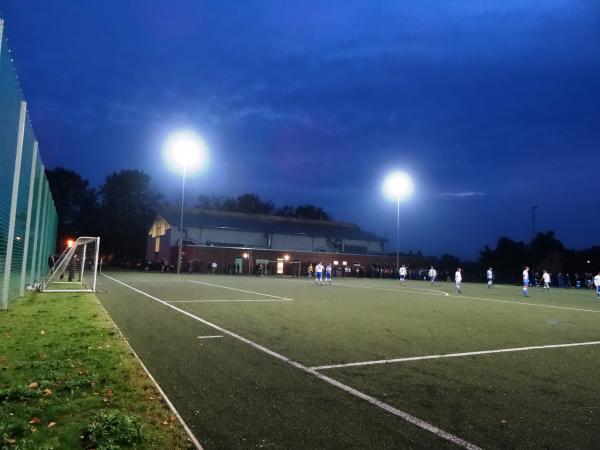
<point>28,218</point>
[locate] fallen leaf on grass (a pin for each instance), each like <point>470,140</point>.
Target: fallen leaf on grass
<point>51,424</point>
<point>34,420</point>
<point>47,392</point>
<point>42,332</point>
<point>33,429</point>
<point>10,440</point>
<point>33,385</point>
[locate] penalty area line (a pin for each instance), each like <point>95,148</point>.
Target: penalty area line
<point>400,290</point>
<point>453,355</point>
<point>239,290</point>
<point>262,300</point>
<point>399,413</point>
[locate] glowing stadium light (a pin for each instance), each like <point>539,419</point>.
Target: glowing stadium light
<point>70,243</point>
<point>286,257</point>
<point>185,151</point>
<point>245,255</point>
<point>398,186</point>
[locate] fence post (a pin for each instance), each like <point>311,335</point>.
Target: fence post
<point>43,231</point>
<point>34,255</point>
<point>28,220</point>
<point>13,206</point>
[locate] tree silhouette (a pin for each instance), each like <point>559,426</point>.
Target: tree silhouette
<point>76,204</point>
<point>129,204</point>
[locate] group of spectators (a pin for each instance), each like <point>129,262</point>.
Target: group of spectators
<point>568,281</point>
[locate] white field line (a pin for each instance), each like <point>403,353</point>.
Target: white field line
<point>211,337</point>
<point>399,290</point>
<point>452,355</point>
<point>439,293</point>
<point>570,308</point>
<point>230,300</point>
<point>158,388</point>
<point>407,417</point>
<point>240,290</point>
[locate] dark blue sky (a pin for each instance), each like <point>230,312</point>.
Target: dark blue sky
<point>492,106</point>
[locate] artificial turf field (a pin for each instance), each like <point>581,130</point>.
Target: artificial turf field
<point>244,360</point>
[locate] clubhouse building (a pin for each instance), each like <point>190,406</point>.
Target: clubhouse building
<point>248,243</point>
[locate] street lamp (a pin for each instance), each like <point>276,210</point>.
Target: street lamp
<point>398,186</point>
<point>186,152</point>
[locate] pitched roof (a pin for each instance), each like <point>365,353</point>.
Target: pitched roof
<point>203,218</point>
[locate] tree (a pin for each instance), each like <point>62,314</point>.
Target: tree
<point>507,258</point>
<point>286,211</point>
<point>312,212</point>
<point>252,204</point>
<point>129,204</point>
<point>76,204</point>
<point>545,244</point>
<point>210,202</point>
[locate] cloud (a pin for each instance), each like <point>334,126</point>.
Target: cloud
<point>462,194</point>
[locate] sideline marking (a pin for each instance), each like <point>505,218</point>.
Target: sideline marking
<point>407,417</point>
<point>187,429</point>
<point>413,290</point>
<point>230,300</point>
<point>210,337</point>
<point>452,355</point>
<point>240,290</point>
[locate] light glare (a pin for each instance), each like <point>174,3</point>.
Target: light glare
<point>398,186</point>
<point>185,150</point>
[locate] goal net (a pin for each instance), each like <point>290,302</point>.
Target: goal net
<point>76,269</point>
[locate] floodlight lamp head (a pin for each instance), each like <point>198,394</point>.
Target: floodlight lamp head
<point>185,151</point>
<point>398,186</point>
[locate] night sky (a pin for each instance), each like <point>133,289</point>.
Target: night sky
<point>493,107</point>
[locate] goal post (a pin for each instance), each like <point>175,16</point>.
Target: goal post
<point>76,269</point>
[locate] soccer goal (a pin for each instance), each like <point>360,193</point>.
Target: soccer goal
<point>76,269</point>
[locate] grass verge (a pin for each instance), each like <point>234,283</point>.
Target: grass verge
<point>68,380</point>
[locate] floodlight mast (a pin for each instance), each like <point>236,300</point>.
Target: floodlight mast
<point>181,221</point>
<point>186,151</point>
<point>398,185</point>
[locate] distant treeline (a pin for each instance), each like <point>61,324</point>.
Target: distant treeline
<point>122,209</point>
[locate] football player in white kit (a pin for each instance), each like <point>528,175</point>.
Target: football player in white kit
<point>432,275</point>
<point>402,272</point>
<point>490,277</point>
<point>319,273</point>
<point>526,281</point>
<point>546,280</point>
<point>458,278</point>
